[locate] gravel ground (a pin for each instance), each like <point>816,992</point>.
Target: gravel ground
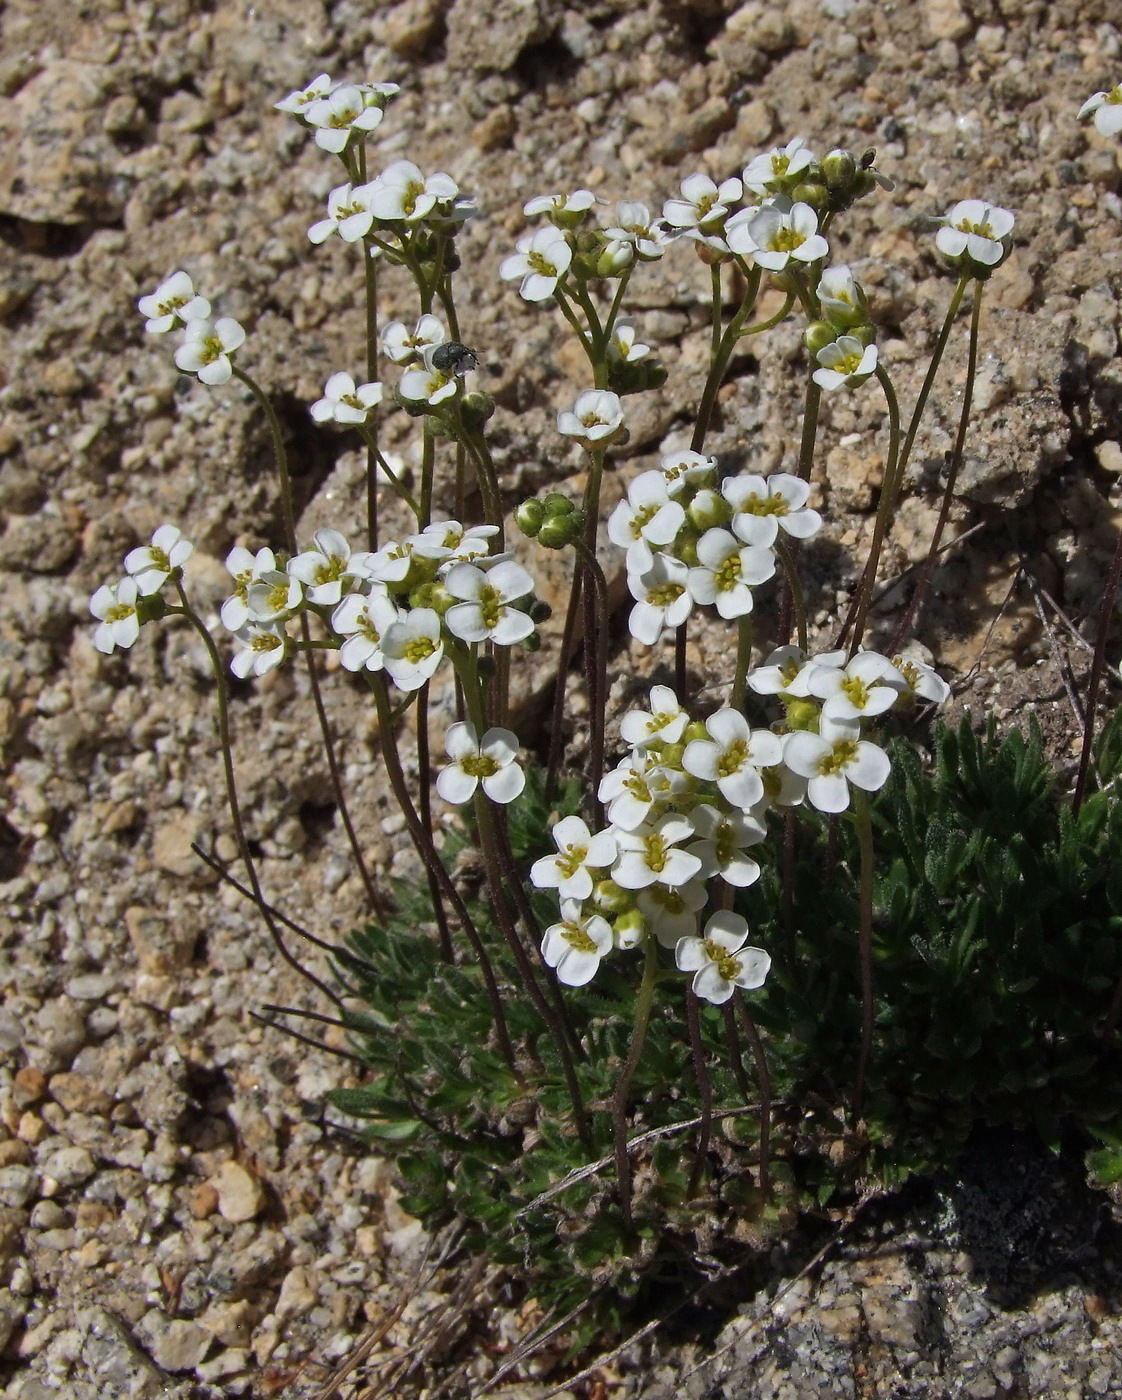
<point>174,1208</point>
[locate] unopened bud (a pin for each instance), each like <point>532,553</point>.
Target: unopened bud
<point>802,714</point>
<point>476,408</point>
<point>609,898</point>
<point>817,335</point>
<point>629,929</point>
<point>529,516</point>
<point>555,504</point>
<point>708,509</point>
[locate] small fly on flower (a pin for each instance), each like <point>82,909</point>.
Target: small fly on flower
<point>454,358</point>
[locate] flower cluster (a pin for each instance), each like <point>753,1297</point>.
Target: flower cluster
<point>122,607</point>
<point>207,348</point>
<point>338,113</point>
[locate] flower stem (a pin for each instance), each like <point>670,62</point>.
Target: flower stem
<point>763,1074</point>
<point>265,404</point>
<point>704,1090</point>
<point>598,676</point>
<point>643,1005</point>
<point>794,589</point>
<point>743,661</point>
<point>1098,660</point>
<point>863,820</point>
<point>372,454</point>
<point>885,513</point>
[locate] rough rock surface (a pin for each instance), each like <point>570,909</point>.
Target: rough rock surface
<point>177,1216</point>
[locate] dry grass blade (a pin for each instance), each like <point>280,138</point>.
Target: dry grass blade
<point>583,1173</point>
<point>533,1342</point>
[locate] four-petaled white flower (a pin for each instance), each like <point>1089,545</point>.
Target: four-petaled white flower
<point>402,193</point>
<point>153,564</point>
<point>634,227</point>
<point>732,757</point>
<point>651,854</point>
<point>762,505</point>
<point>1106,109</point>
<point>344,110</point>
<point>663,598</point>
<point>727,571</point>
<point>447,540</point>
<point>579,853</point>
<point>665,721</point>
<point>671,911</point>
<point>979,232</point>
<point>273,596</point>
<point>172,304</point>
<point>623,347</point>
<point>777,233</point>
<point>725,837</point>
<point>325,569</point>
<point>703,205</point>
<point>778,169</point>
<point>413,648</point>
<point>921,681</point>
<point>720,961</point>
<point>428,384</point>
<point>345,402</point>
<point>245,569</point>
<point>867,685</point>
<point>114,605</point>
<point>646,517</point>
<point>832,759</point>
<point>541,261</point>
<point>299,101</point>
<point>579,202</point>
<point>487,612</point>
<point>404,348</point>
<point>574,947</point>
<point>631,790</point>
<point>594,420</point>
<point>348,213</point>
<point>845,361</point>
<point>687,468</point>
<point>207,349</point>
<point>363,619</point>
<point>261,648</point>
<point>488,762</point>
<point>840,296</point>
<point>779,672</point>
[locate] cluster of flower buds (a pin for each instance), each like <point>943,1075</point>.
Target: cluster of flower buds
<point>690,541</point>
<point>207,349</point>
<point>553,520</point>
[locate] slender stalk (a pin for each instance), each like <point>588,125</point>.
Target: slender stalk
<point>574,320</point>
<point>885,513</point>
<point>265,404</point>
<point>643,1004</point>
<point>598,676</point>
<point>864,823</point>
<point>924,579</point>
<point>743,661</point>
<point>234,804</point>
<point>396,484</point>
<point>557,726</point>
<point>704,1090</point>
<point>787,907</point>
<point>720,361</point>
<point>736,1051</point>
<point>786,559</point>
<point>1098,660</point>
<point>430,857</point>
<point>424,805</point>
<point>806,461</point>
<point>718,308</point>
<point>370,264</point>
<point>428,471</point>
<point>763,1074</point>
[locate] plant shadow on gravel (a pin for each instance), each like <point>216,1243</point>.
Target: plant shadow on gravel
<point>996,947</point>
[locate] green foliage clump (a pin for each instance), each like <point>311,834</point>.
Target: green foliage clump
<point>997,926</point>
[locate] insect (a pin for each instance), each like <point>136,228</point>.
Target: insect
<point>453,358</point>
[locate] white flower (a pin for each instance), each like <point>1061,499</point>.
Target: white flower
<point>725,839</point>
<point>489,761</point>
<point>541,261</point>
<point>413,648</point>
<point>622,347</point>
<point>575,946</point>
<point>650,854</point>
<point>840,296</point>
<point>703,205</point>
<point>671,912</point>
<point>646,518</point>
<point>778,168</point>
<point>762,505</point>
<point>579,853</point>
<point>348,213</point>
<point>261,648</point>
<point>344,402</point>
<point>832,759</point>
<point>172,304</point>
<point>732,756</point>
<point>207,349</point>
<point>779,233</point>
<point>866,686</point>
<point>635,228</point>
<point>428,385</point>
<point>153,564</point>
<point>402,348</point>
<point>687,469</point>
<point>665,721</point>
<point>663,598</point>
<point>390,564</point>
<point>244,568</point>
<point>595,419</point>
<point>778,672</point>
<point>403,193</point>
<point>720,961</point>
<point>922,682</point>
<point>579,202</point>
<point>1106,108</point>
<point>363,619</point>
<point>343,111</point>
<point>297,102</point>
<point>328,566</point>
<point>727,571</point>
<point>631,790</point>
<point>980,232</point>
<point>273,596</point>
<point>448,540</point>
<point>114,605</point>
<point>487,612</point>
<point>846,361</point>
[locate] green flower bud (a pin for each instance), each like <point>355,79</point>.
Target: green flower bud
<point>694,730</point>
<point>433,595</point>
<point>559,531</point>
<point>685,546</point>
<point>555,504</point>
<point>609,898</point>
<point>817,196</point>
<point>707,510</point>
<point>539,611</point>
<point>819,334</point>
<point>529,516</point>
<point>839,169</point>
<point>802,714</point>
<point>476,408</point>
<point>616,257</point>
<point>630,929</point>
<point>531,643</point>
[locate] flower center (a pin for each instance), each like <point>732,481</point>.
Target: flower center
<point>765,505</point>
<point>266,641</point>
<point>727,574</point>
<point>844,752</point>
<point>211,350</point>
<point>642,518</point>
<point>637,786</point>
<point>479,765</point>
<point>571,859</point>
<point>158,559</point>
<point>728,964</point>
<point>577,938</point>
<point>664,595</point>
<point>786,240</point>
<point>724,841</point>
<point>851,363</point>
<point>332,570</point>
<point>420,649</point>
<point>117,612</point>
<point>278,597</point>
<point>856,691</point>
<point>657,853</point>
<point>540,263</point>
<point>367,628</point>
<point>733,758</point>
<point>490,605</point>
<point>981,228</point>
